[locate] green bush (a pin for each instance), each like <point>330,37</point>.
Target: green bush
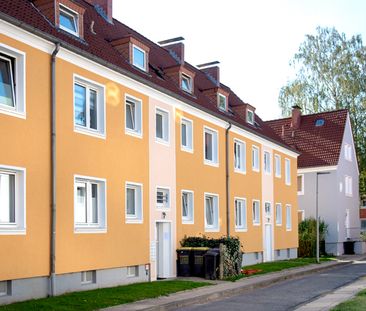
<point>307,236</point>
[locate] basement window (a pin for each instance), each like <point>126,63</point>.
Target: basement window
<point>69,20</point>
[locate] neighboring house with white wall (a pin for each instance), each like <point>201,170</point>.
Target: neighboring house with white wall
<point>328,159</point>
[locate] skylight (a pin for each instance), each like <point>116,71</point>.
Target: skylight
<point>319,122</point>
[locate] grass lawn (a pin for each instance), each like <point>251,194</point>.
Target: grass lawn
<point>356,304</point>
<point>274,266</point>
<point>106,297</point>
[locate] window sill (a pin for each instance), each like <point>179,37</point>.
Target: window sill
<point>12,231</point>
<point>187,222</point>
<point>185,149</point>
<point>134,221</point>
<point>162,142</point>
<point>278,176</point>
<point>288,229</point>
<point>88,132</point>
<point>300,193</point>
<point>212,230</point>
<point>239,171</point>
<point>278,225</point>
<point>257,170</point>
<point>92,230</point>
<point>257,224</point>
<point>287,184</point>
<point>12,112</point>
<point>241,230</point>
<point>133,133</point>
<point>210,163</point>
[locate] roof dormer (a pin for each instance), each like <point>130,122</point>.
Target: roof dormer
<point>134,51</point>
<point>180,74</point>
<point>245,112</point>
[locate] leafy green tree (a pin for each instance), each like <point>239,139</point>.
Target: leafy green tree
<point>331,74</point>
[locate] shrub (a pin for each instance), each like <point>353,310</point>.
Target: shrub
<point>307,236</point>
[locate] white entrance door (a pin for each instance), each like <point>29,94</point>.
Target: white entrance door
<point>268,252</point>
<point>163,245</point>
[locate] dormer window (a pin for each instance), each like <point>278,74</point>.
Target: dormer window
<point>222,102</point>
<point>186,83</point>
<point>69,20</point>
<point>139,58</point>
<point>250,116</point>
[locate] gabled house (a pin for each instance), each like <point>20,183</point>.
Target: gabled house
<point>327,165</point>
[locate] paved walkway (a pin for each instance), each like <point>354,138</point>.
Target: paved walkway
<point>228,289</point>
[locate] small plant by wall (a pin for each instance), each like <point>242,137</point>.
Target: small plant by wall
<point>307,236</point>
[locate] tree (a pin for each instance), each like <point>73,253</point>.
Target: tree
<point>331,74</point>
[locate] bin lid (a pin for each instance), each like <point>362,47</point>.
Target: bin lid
<point>184,249</point>
<point>200,248</point>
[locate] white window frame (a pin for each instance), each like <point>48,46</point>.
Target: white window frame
<point>19,77</point>
<point>242,156</point>
<point>288,217</point>
<point>132,271</point>
<point>219,96</point>
<point>244,215</point>
<point>137,218</point>
<point>277,167</point>
<point>215,147</point>
<point>348,186</point>
<point>267,162</point>
<point>348,152</point>
<point>19,226</point>
<point>189,219</point>
<point>167,193</point>
<point>7,287</point>
<point>189,134</point>
<point>287,172</point>
<point>255,160</point>
<point>165,126</point>
<point>256,220</point>
<point>75,15</point>
<point>278,214</point>
<point>101,225</point>
<point>190,82</point>
<point>137,132</point>
<point>133,57</point>
<point>100,132</point>
<point>301,192</point>
<point>84,277</point>
<point>247,116</point>
<point>215,227</point>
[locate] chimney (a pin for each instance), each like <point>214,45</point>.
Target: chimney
<point>212,71</point>
<point>175,48</point>
<point>104,8</point>
<point>296,117</point>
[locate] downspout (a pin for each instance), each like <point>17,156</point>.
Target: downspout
<point>227,180</point>
<point>53,171</point>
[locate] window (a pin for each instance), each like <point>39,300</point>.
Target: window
<point>240,214</point>
<point>187,207</point>
<point>211,212</point>
<point>250,116</point>
<point>267,211</point>
<point>162,125</point>
<point>363,225</point>
<point>255,158</point>
<point>288,217</point>
<point>348,186</point>
<point>162,198</point>
<point>5,288</point>
<point>132,271</point>
<point>267,162</point>
<point>256,212</point>
<point>186,83</point>
<point>69,21</point>
<point>12,200</point>
<point>277,165</point>
<point>300,184</point>
<point>139,58</point>
<point>211,146</point>
<point>12,81</point>
<point>88,277</point>
<point>186,135</point>
<point>222,102</point>
<point>133,203</point>
<point>133,112</point>
<point>89,107</point>
<point>90,204</point>
<point>239,156</point>
<point>278,214</point>
<point>287,172</point>
<point>319,122</point>
<point>348,152</point>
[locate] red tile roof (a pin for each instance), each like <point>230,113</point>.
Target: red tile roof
<point>98,45</point>
<point>319,145</point>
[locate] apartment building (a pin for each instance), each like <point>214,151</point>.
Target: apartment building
<point>115,148</point>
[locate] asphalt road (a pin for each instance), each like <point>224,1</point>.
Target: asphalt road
<point>288,295</point>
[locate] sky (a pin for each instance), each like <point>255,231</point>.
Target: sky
<point>254,41</point>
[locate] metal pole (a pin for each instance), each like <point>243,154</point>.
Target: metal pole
<point>317,219</point>
<point>227,154</point>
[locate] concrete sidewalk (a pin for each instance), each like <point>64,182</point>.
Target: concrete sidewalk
<point>224,289</point>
